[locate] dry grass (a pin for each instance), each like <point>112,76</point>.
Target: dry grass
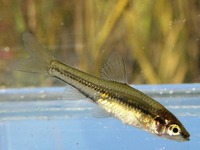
<point>158,38</point>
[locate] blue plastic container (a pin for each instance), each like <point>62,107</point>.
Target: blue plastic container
<point>41,119</point>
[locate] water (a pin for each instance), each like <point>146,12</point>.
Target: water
<point>41,119</point>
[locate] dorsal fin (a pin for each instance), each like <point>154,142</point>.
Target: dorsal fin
<point>114,69</point>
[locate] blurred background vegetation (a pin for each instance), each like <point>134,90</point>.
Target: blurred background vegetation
<point>159,39</point>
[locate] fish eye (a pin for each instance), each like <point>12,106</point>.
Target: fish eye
<point>174,129</point>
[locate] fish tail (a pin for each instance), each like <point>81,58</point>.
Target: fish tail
<point>39,59</point>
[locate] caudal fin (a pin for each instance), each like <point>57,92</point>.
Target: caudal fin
<point>39,58</point>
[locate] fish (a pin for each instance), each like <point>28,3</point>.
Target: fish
<point>110,92</point>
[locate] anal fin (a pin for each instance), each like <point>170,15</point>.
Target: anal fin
<point>101,113</point>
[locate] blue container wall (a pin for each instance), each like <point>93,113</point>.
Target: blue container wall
<point>42,118</point>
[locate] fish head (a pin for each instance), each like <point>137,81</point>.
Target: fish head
<point>176,132</point>
<point>170,128</point>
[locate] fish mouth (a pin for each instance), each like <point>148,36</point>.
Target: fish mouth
<point>186,136</point>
